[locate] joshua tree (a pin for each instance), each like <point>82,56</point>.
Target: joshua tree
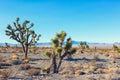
<point>22,34</point>
<point>114,47</point>
<point>59,51</point>
<point>83,45</point>
<point>6,45</point>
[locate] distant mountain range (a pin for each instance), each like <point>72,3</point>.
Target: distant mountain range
<point>75,43</point>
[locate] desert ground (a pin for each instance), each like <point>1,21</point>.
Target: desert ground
<point>93,64</point>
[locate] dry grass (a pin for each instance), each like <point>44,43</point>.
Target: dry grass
<point>33,72</point>
<point>5,73</point>
<point>90,67</point>
<point>78,68</point>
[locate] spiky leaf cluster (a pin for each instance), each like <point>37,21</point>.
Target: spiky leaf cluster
<point>57,44</point>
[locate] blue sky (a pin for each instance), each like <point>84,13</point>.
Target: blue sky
<point>83,20</point>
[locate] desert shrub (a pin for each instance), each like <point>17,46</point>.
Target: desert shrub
<point>25,66</point>
<point>46,70</point>
<point>2,58</point>
<point>47,78</point>
<point>99,70</point>
<point>95,56</point>
<point>15,56</point>
<point>16,62</point>
<point>33,72</point>
<point>112,69</point>
<point>34,50</point>
<point>107,55</point>
<point>90,67</point>
<point>5,74</point>
<point>79,72</point>
<point>48,54</point>
<point>68,69</point>
<point>25,60</point>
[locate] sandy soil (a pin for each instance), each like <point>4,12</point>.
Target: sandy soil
<point>90,65</point>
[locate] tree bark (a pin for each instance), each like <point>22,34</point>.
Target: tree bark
<point>53,64</point>
<point>26,52</point>
<point>59,64</point>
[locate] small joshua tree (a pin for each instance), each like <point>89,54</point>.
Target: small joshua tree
<point>59,51</point>
<point>116,48</point>
<point>23,35</point>
<point>6,45</point>
<point>83,46</point>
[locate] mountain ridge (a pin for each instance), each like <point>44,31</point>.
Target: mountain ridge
<point>75,43</point>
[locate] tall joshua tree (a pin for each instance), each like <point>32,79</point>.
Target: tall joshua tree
<point>22,34</point>
<point>59,51</point>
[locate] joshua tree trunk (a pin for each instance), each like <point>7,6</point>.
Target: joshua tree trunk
<point>26,52</point>
<point>54,64</point>
<point>59,64</point>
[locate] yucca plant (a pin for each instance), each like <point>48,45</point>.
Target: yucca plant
<point>83,46</point>
<point>7,45</point>
<point>114,47</point>
<point>59,51</point>
<point>22,34</point>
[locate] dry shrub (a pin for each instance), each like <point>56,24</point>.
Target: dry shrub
<point>47,78</point>
<point>107,55</point>
<point>79,72</point>
<point>16,62</point>
<point>67,70</point>
<point>25,60</point>
<point>78,66</point>
<point>34,50</point>
<point>113,60</point>
<point>116,56</point>
<point>5,73</point>
<point>45,70</point>
<point>92,63</point>
<point>99,70</point>
<point>90,67</point>
<point>2,58</point>
<point>33,72</point>
<point>25,66</point>
<point>96,56</point>
<point>111,69</point>
<point>15,56</point>
<point>112,76</point>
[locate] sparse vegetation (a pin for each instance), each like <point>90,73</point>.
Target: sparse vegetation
<point>60,57</point>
